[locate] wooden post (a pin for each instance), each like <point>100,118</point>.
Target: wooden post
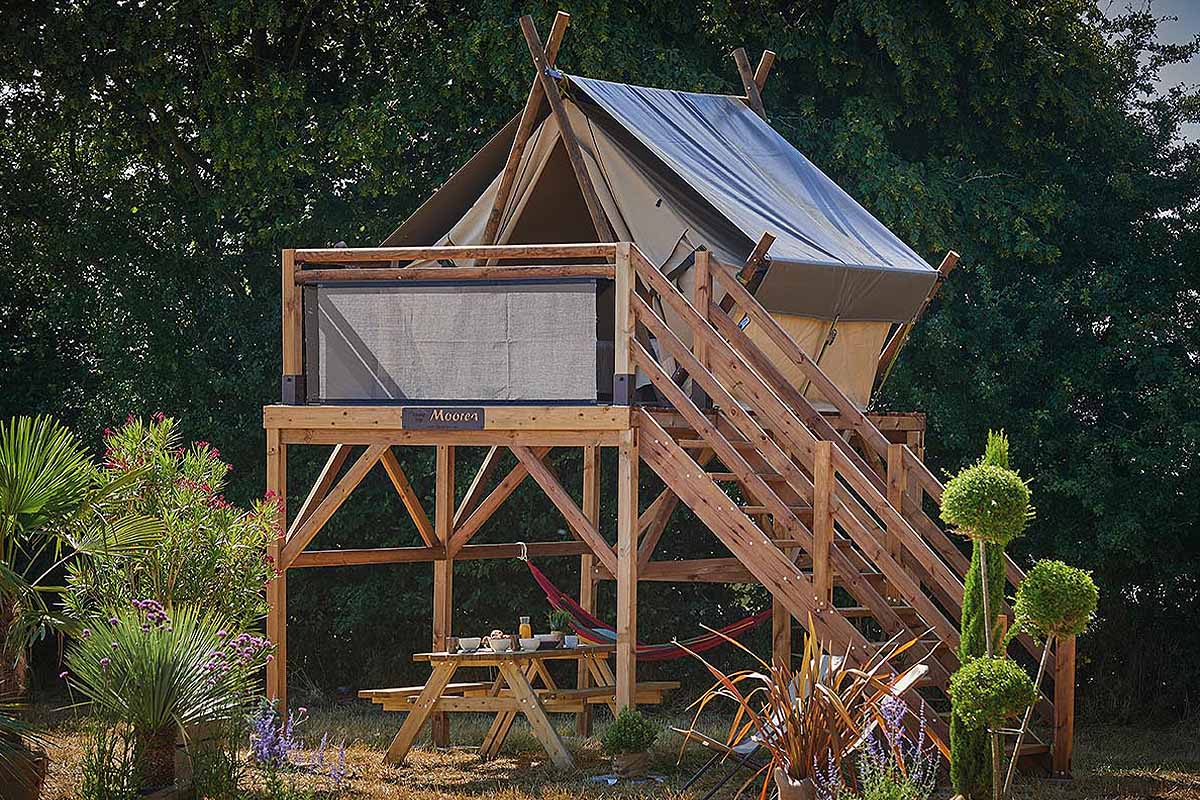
<point>587,572</point>
<point>781,618</point>
<point>627,568</point>
<point>749,86</point>
<point>702,300</point>
<point>292,333</point>
<point>823,483</point>
<point>604,230</point>
<point>1064,706</point>
<point>891,350</point>
<point>624,281</point>
<point>896,486</point>
<point>524,128</point>
<point>277,588</point>
<point>443,572</point>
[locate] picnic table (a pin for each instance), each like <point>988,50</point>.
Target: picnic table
<point>523,685</point>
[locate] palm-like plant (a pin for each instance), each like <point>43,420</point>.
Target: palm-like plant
<point>161,675</point>
<point>809,718</point>
<point>55,507</point>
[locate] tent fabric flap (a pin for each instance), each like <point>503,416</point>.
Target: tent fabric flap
<point>831,258</point>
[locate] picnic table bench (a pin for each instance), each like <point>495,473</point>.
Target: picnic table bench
<point>523,686</point>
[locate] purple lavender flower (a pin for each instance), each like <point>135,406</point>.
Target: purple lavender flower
<point>338,772</point>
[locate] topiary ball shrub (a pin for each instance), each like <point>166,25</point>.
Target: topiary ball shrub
<point>629,733</point>
<point>986,690</point>
<point>987,502</point>
<point>1055,599</point>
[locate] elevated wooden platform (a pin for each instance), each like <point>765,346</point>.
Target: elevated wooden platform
<point>827,496</point>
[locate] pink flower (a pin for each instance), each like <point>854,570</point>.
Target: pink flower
<point>104,662</point>
<point>62,676</point>
<point>158,416</point>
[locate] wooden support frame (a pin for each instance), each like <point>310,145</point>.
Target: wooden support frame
<point>749,85</point>
<point>409,497</point>
<point>1064,706</point>
<point>277,588</point>
<point>529,116</point>
<point>443,571</point>
<point>604,230</point>
<point>626,568</point>
<point>891,350</point>
<point>746,273</point>
<point>587,577</point>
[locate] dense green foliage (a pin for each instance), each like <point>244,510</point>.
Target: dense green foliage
<point>987,502</point>
<point>56,511</point>
<point>211,553</point>
<point>1055,599</point>
<point>155,158</point>
<point>630,732</point>
<point>558,619</point>
<point>986,690</point>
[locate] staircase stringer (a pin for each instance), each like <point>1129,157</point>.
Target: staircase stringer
<point>755,550</point>
<point>861,424</point>
<point>758,489</point>
<point>737,376</point>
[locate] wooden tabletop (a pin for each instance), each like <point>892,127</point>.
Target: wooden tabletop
<point>484,656</point>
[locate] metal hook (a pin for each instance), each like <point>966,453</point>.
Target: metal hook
<point>524,551</point>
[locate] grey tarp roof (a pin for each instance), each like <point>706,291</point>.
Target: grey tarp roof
<point>831,257</point>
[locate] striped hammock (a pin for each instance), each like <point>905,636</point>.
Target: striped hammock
<point>595,631</point>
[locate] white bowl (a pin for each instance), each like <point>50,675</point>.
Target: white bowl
<point>500,645</point>
<point>469,643</point>
<point>529,644</point>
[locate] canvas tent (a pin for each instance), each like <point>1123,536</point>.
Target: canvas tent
<point>677,171</point>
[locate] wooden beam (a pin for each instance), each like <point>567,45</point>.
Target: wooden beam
<point>299,537</point>
<point>533,106</point>
<point>277,588</point>
<point>356,557</point>
<point>576,520</point>
<point>764,69</point>
<point>324,480</point>
<point>353,255</point>
<point>746,273</point>
<point>891,351</point>
<point>478,485</point>
<point>484,273</point>
<point>460,438</point>
<point>603,230</point>
<point>587,580</point>
<point>463,533</point>
<point>526,420</point>
<point>411,502</point>
<point>443,571</point>
<point>753,98</point>
<point>626,569</point>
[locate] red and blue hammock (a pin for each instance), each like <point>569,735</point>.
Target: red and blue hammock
<point>593,630</point>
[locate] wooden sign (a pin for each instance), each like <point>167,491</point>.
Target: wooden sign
<point>446,417</point>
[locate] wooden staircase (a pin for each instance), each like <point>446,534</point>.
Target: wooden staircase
<point>801,508</point>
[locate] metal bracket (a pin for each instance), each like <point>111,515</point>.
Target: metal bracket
<point>622,389</point>
<point>293,390</point>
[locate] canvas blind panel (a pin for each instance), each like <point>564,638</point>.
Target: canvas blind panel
<point>499,342</point>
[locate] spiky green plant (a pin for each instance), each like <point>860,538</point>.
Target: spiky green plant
<point>160,675</point>
<point>808,717</point>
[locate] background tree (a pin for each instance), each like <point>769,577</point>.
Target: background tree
<point>154,159</point>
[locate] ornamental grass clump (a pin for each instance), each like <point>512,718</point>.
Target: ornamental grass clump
<point>160,674</point>
<point>809,718</point>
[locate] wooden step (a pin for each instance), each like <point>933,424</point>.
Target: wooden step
<point>694,444</point>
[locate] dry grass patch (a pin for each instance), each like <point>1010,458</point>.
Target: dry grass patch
<point>1112,763</point>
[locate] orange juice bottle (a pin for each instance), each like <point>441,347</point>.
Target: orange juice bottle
<point>526,629</point>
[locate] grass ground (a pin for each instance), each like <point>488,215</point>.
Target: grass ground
<point>1111,762</point>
